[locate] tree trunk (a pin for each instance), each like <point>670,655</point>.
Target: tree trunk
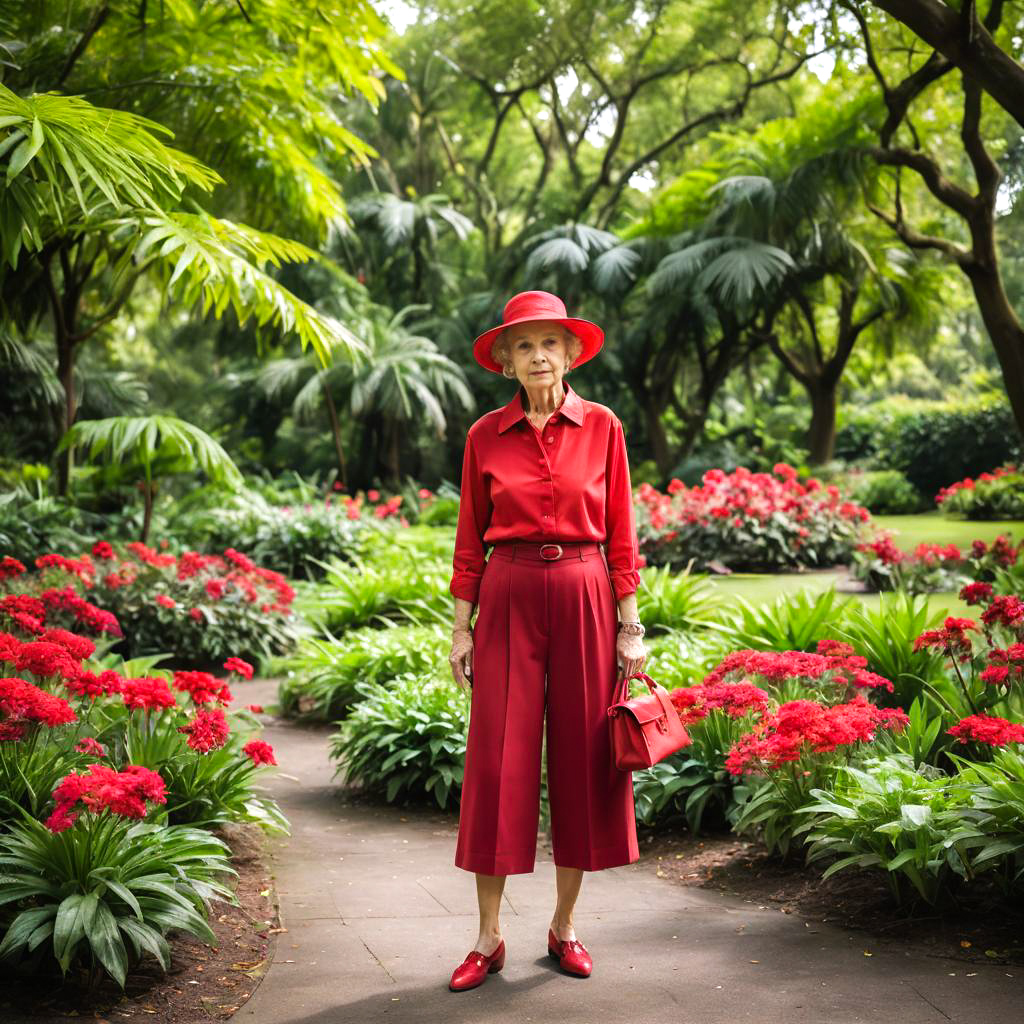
<point>1004,329</point>
<point>821,436</point>
<point>147,514</point>
<point>66,375</point>
<point>336,431</point>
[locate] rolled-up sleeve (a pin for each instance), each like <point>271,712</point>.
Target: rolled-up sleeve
<point>474,517</point>
<point>620,519</point>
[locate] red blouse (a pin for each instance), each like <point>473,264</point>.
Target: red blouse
<point>567,482</point>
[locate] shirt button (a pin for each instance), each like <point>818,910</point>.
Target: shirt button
<point>541,460</point>
<point>550,440</point>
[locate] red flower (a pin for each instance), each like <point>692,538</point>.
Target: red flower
<point>952,638</point>
<point>164,601</point>
<point>976,593</point>
<point>243,668</point>
<point>47,659</point>
<point>22,702</point>
<point>101,549</point>
<point>195,613</point>
<point>258,708</point>
<point>88,745</point>
<point>202,687</point>
<point>88,684</point>
<point>79,647</point>
<point>10,567</point>
<point>373,495</point>
<point>259,752</point>
<point>802,727</point>
<point>991,729</point>
<point>207,731</point>
<point>148,693</point>
<point>102,788</point>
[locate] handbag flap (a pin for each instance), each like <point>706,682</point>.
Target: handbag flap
<point>643,709</point>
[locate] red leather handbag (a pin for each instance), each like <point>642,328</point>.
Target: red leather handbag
<point>645,730</point>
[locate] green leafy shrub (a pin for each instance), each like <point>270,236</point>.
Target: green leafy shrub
<point>792,622</point>
<point>321,676</point>
<point>993,496</point>
<point>757,522</point>
<point>888,492</point>
<point>105,891</point>
<point>405,740</point>
<point>667,599</point>
<point>885,637</point>
<point>199,608</point>
<point>931,443</point>
<point>913,822</point>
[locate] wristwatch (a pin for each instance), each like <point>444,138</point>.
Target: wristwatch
<point>633,628</point>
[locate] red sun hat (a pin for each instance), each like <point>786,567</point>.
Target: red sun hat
<point>538,306</point>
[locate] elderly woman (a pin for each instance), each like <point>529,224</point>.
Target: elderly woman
<point>545,482</point>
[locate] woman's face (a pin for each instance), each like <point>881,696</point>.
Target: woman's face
<point>538,352</point>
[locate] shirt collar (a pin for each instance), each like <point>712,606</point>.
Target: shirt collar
<point>572,408</point>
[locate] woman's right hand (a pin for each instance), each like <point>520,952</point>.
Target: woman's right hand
<point>461,658</point>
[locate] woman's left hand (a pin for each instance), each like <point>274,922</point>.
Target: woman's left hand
<point>631,654</point>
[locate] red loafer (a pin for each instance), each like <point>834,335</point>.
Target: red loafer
<point>571,954</point>
<point>474,969</point>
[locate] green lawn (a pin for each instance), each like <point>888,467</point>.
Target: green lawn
<point>760,588</point>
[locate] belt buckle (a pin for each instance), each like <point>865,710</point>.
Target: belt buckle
<point>553,558</point>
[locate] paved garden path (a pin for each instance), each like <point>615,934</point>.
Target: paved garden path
<point>377,917</point>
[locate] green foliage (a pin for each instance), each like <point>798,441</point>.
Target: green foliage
<point>885,636</point>
<point>406,740</point>
<point>931,443</point>
<point>148,447</point>
<point>667,600</point>
<point>915,823</point>
<point>106,891</point>
<point>792,622</point>
<point>367,592</point>
<point>888,492</point>
<point>322,675</point>
<point>989,499</point>
<point>998,790</point>
<point>292,539</point>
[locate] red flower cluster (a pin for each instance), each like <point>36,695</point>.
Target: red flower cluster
<point>968,484</point>
<point>259,752</point>
<point>91,685</point>
<point>805,726</point>
<point>834,662</point>
<point>124,793</point>
<point>744,495</point>
<point>243,668</point>
<point>85,614</point>
<point>47,659</point>
<point>694,703</point>
<point>88,745</point>
<point>202,687</point>
<point>10,567</point>
<point>990,729</point>
<point>1005,666</point>
<point>22,703</point>
<point>1007,609</point>
<point>149,693</point>
<point>952,638</point>
<point>207,731</point>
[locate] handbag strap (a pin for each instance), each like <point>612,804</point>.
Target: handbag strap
<point>651,684</point>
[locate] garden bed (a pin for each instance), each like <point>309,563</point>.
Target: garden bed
<point>986,929</point>
<point>204,983</point>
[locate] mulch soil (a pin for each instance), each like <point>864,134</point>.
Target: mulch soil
<point>985,928</point>
<point>204,982</point>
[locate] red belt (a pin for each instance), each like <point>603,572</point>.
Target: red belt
<point>548,551</point>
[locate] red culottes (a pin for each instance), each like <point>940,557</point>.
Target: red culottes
<point>544,637</point>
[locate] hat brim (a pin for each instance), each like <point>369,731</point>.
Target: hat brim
<point>591,336</point>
